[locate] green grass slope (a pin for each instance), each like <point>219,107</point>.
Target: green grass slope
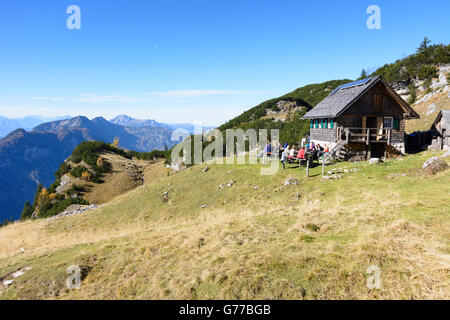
<point>258,239</point>
<point>294,128</point>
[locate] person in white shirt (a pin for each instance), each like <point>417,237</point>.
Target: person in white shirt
<point>286,151</point>
<point>292,152</point>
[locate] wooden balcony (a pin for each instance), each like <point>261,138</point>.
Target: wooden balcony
<point>364,135</point>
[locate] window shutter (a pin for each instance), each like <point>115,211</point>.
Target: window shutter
<point>331,123</point>
<point>312,124</point>
<point>321,123</point>
<point>396,124</point>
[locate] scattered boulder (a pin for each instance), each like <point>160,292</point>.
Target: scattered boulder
<point>221,186</point>
<point>445,155</point>
<point>177,167</point>
<point>205,169</point>
<point>374,160</point>
<point>434,165</point>
<point>255,187</point>
<point>291,181</point>
<point>7,283</point>
<point>18,273</point>
<point>204,206</point>
<point>432,108</point>
<point>77,209</point>
<point>230,184</point>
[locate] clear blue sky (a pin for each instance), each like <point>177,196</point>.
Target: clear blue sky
<point>194,60</point>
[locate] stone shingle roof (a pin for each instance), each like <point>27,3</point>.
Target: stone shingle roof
<point>340,99</point>
<point>443,114</point>
<point>446,115</point>
<point>345,95</point>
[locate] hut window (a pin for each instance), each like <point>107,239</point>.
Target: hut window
<point>388,123</point>
<point>396,124</point>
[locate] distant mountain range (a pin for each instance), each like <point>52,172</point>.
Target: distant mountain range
<point>32,157</point>
<point>127,121</point>
<point>8,125</point>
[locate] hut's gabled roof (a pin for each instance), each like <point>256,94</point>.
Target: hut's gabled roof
<point>345,95</point>
<point>442,114</point>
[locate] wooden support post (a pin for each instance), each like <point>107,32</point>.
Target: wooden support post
<point>389,136</point>
<point>368,136</point>
<point>347,134</point>
<point>323,166</point>
<point>307,168</point>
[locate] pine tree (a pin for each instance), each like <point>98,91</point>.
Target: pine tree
<point>27,211</point>
<point>424,44</point>
<point>412,94</point>
<point>363,74</point>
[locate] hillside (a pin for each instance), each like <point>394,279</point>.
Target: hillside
<point>258,239</point>
<point>428,110</point>
<point>431,100</point>
<point>425,73</point>
<point>285,112</point>
<point>95,173</point>
<point>31,157</point>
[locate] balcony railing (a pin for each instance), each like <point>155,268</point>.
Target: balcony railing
<point>366,135</point>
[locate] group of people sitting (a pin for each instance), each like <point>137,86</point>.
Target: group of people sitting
<point>290,154</point>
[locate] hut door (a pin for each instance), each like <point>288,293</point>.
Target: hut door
<point>371,122</point>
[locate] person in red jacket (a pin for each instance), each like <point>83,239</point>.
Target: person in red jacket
<point>301,154</point>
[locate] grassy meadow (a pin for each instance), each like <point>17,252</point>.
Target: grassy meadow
<point>257,239</point>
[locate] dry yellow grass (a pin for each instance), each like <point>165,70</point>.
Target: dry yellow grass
<point>125,175</point>
<point>442,102</point>
<point>247,244</point>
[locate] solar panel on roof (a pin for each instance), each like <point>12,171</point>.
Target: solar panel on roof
<point>352,84</point>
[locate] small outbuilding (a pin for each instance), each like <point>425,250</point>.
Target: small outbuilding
<point>441,131</point>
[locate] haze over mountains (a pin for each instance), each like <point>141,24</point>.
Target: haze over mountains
<point>8,125</point>
<point>32,157</point>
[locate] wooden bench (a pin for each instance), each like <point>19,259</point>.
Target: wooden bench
<point>292,160</point>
